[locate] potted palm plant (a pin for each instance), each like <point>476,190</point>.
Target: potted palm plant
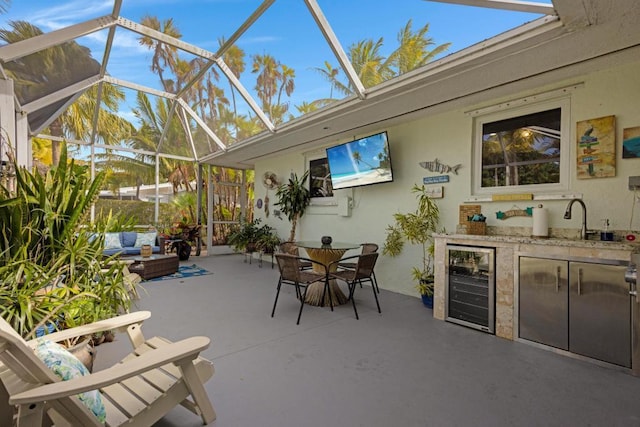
<point>293,199</point>
<point>416,227</point>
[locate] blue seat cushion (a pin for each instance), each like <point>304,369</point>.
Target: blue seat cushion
<point>128,238</point>
<point>136,251</point>
<point>112,251</point>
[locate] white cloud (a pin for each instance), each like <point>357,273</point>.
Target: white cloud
<point>71,12</point>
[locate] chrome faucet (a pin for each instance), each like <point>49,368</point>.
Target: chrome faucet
<point>567,215</point>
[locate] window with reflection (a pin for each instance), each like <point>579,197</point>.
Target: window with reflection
<point>320,178</point>
<point>525,151</point>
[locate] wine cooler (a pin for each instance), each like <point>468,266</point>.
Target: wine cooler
<point>470,287</point>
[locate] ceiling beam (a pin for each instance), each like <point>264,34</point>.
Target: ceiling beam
<point>245,95</point>
<point>202,124</point>
<point>171,41</point>
<point>140,88</point>
<point>244,27</point>
<point>35,44</point>
<point>60,94</point>
<point>513,5</point>
<point>336,47</point>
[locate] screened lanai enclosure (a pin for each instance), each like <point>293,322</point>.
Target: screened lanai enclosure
<point>186,96</point>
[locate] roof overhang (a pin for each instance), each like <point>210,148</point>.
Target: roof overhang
<point>586,37</point>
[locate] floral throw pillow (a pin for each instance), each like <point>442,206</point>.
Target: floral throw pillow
<point>112,241</point>
<point>145,239</point>
<point>66,366</point>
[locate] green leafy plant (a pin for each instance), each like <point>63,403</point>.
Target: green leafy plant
<point>267,240</point>
<point>51,268</point>
<point>293,199</point>
<point>243,238</point>
<point>416,228</point>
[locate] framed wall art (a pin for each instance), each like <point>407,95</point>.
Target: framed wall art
<point>596,153</point>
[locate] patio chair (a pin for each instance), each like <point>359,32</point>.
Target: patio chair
<point>362,273</point>
<point>292,274</point>
<point>140,390</point>
<point>367,248</point>
<point>291,248</point>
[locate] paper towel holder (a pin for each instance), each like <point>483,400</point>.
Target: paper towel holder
<point>540,226</point>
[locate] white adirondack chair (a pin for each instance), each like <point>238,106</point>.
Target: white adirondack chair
<point>148,383</point>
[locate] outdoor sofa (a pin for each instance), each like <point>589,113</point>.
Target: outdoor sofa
<point>130,242</point>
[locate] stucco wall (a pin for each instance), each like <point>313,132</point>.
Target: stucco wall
<point>448,137</point>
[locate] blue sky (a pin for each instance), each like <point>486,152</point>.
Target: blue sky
<point>286,30</point>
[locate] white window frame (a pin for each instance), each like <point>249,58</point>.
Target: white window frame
<point>564,103</point>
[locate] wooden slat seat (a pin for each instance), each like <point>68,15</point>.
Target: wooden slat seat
<point>156,376</point>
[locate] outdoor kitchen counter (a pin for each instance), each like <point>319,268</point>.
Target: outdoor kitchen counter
<point>508,250</point>
<point>551,241</point>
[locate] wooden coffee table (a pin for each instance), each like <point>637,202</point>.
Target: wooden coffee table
<point>154,266</point>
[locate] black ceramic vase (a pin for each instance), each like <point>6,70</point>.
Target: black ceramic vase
<point>326,240</point>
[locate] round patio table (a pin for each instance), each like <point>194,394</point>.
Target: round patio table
<point>325,254</point>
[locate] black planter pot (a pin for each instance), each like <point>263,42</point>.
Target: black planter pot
<point>183,249</point>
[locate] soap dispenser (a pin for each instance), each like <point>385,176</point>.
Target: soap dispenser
<point>605,234</point>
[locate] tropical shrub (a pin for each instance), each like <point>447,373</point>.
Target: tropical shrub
<point>51,263</point>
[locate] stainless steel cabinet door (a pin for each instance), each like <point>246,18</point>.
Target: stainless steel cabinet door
<point>600,312</point>
<point>543,301</point>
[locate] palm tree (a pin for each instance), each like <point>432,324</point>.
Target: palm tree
<point>163,55</point>
<point>287,83</point>
<point>47,71</point>
<point>268,70</point>
<point>331,75</point>
<point>413,51</point>
<point>372,67</point>
<point>234,58</point>
<point>308,107</point>
<point>153,121</point>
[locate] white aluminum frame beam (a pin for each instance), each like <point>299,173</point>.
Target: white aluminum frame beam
<point>245,95</point>
<point>171,41</point>
<point>113,147</point>
<point>63,93</point>
<point>513,5</point>
<point>187,47</point>
<point>244,27</point>
<point>228,43</point>
<point>202,124</point>
<point>140,88</point>
<point>35,44</point>
<point>187,129</point>
<point>336,47</point>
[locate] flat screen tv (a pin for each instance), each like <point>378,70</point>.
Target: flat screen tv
<point>364,161</point>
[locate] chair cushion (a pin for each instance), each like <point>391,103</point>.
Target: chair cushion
<point>146,239</point>
<point>129,239</point>
<point>112,241</point>
<point>66,366</point>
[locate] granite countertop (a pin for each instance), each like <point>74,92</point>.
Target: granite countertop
<point>551,241</point>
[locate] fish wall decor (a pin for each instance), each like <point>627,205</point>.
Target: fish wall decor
<point>436,166</point>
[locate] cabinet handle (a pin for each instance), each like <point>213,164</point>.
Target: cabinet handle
<point>558,279</point>
<point>579,280</point>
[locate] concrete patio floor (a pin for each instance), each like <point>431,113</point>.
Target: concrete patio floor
<point>399,368</point>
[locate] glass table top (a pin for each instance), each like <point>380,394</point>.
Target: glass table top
<point>317,244</point>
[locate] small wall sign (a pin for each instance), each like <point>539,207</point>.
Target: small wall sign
<point>434,192</point>
<point>435,179</point>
